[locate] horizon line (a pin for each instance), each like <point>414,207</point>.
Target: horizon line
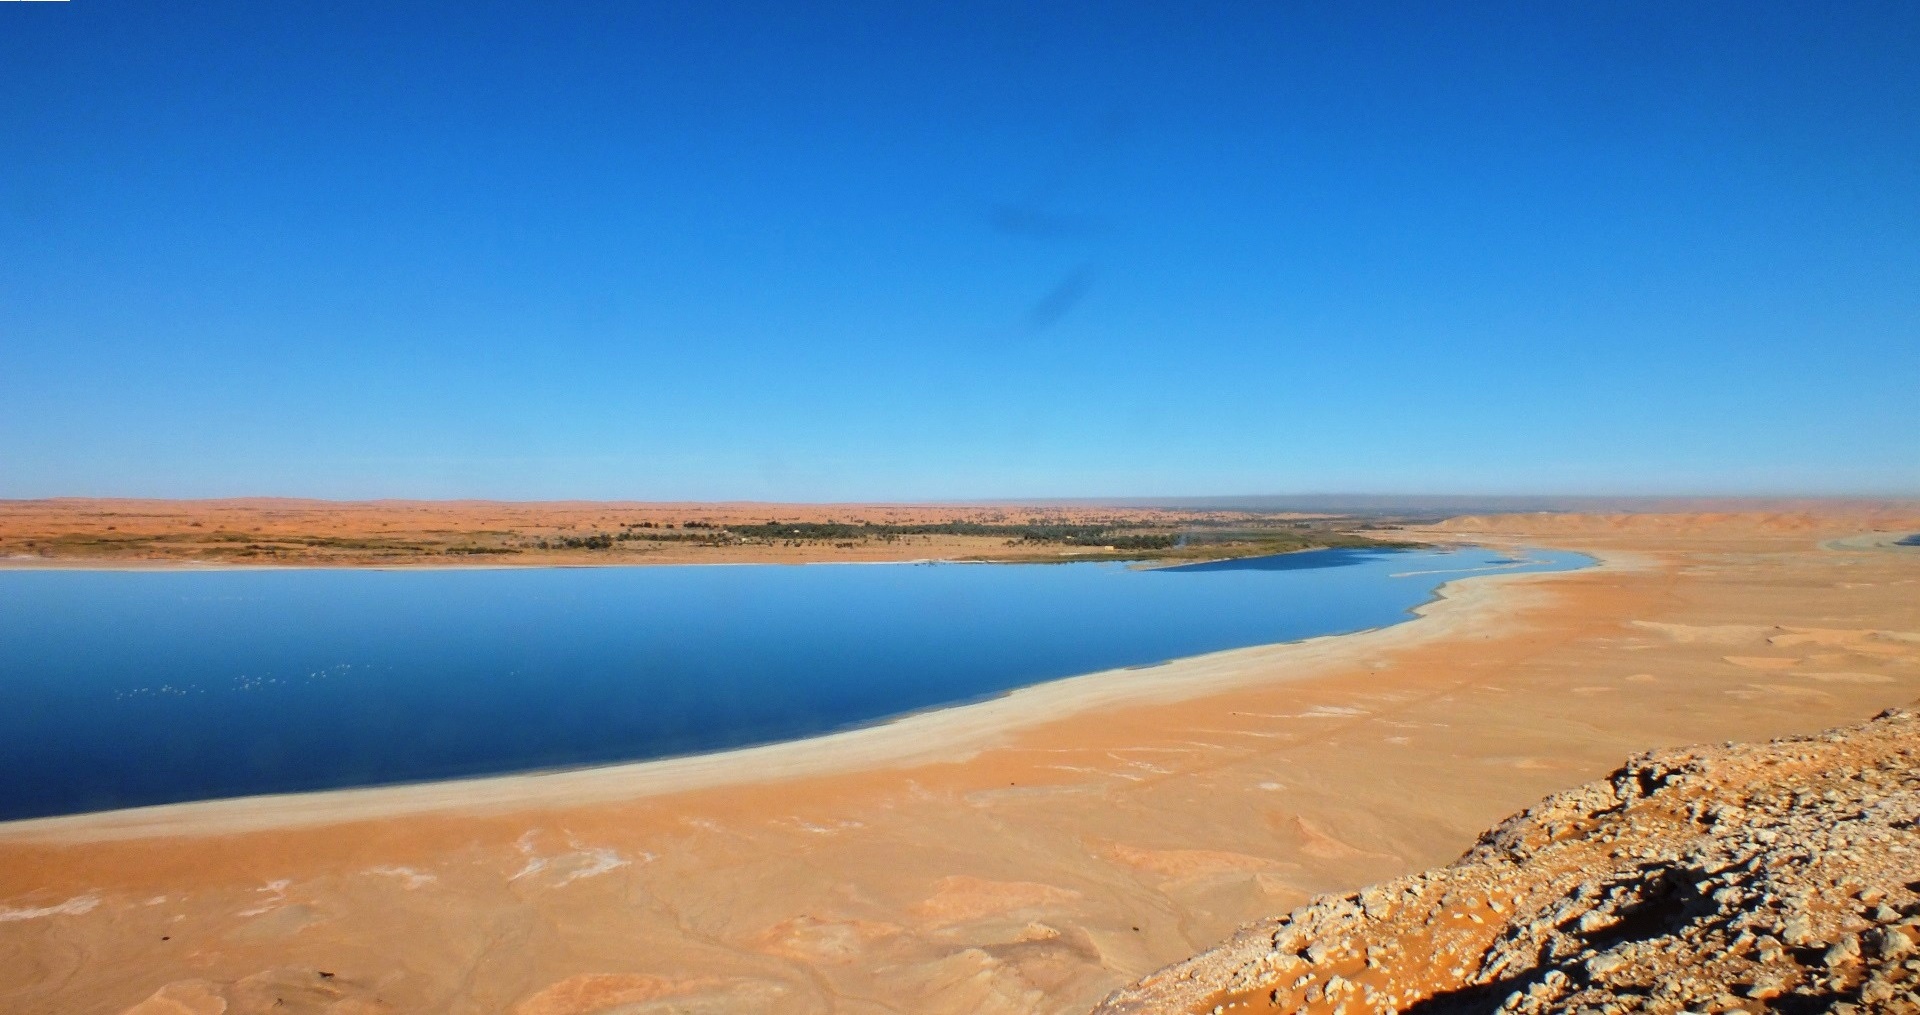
<point>1238,501</point>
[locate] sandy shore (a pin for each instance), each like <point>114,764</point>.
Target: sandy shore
<point>1024,855</point>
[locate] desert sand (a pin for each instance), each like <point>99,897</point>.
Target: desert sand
<point>1029,855</point>
<point>289,532</point>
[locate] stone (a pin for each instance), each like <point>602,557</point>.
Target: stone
<point>1604,963</point>
<point>1845,951</point>
<point>1767,987</point>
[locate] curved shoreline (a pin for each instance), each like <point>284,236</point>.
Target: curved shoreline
<point>1875,541</point>
<point>942,734</point>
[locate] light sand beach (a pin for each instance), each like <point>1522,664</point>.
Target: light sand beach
<point>1026,854</point>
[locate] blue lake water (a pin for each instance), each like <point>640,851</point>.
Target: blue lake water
<point>120,688</point>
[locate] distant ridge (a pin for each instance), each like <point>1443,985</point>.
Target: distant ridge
<point>1448,505</point>
<point>1398,505</point>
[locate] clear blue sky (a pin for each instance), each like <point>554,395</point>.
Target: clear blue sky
<point>904,251</point>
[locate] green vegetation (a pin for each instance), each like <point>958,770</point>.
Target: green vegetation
<point>626,535</point>
<point>1104,536</point>
<point>1033,539</point>
<point>1263,543</point>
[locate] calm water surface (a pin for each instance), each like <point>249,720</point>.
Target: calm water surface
<point>125,688</point>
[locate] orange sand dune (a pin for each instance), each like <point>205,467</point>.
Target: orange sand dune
<point>1887,516</point>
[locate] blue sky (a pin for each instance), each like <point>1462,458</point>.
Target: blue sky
<point>904,251</point>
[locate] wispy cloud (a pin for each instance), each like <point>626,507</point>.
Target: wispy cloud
<point>1062,298</point>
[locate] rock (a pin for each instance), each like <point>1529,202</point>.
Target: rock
<point>1846,951</point>
<point>1613,898</point>
<point>1767,986</point>
<point>1891,943</point>
<point>1604,963</point>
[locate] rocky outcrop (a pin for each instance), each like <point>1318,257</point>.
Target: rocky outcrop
<point>1761,877</point>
